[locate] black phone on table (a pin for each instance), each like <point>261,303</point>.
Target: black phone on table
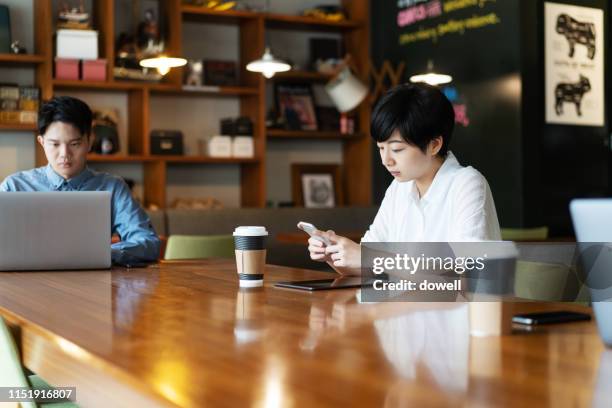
<point>539,318</point>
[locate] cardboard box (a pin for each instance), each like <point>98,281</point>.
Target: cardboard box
<point>28,117</point>
<point>220,146</point>
<point>8,104</point>
<point>29,92</point>
<point>167,142</point>
<point>67,69</point>
<point>9,117</point>
<point>77,44</point>
<point>242,146</point>
<point>28,105</point>
<point>9,92</point>
<point>94,70</point>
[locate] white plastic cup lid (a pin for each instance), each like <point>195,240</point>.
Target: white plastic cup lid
<point>250,231</point>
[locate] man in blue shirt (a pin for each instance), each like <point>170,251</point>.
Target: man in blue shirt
<point>64,127</point>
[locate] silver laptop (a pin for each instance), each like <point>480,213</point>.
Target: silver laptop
<point>55,230</point>
<point>592,220</point>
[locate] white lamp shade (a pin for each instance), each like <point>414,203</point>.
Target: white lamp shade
<point>432,78</point>
<point>162,63</point>
<point>268,65</point>
<point>346,90</point>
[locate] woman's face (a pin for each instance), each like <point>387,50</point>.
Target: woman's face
<point>404,161</point>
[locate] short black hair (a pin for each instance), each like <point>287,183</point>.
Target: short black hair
<point>419,112</point>
<point>65,109</point>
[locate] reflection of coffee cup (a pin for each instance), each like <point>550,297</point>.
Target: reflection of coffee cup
<point>250,248</point>
<point>249,315</point>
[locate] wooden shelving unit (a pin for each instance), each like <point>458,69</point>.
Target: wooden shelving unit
<point>308,134</point>
<point>18,127</point>
<point>302,76</point>
<point>251,92</point>
<point>21,59</point>
<point>300,23</point>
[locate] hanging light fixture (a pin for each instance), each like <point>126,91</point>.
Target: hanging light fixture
<point>162,63</point>
<point>431,77</point>
<point>268,65</point>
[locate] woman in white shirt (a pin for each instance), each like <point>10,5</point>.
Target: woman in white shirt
<point>433,198</point>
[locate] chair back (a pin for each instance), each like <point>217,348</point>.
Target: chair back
<point>524,234</point>
<point>199,247</point>
<point>11,372</point>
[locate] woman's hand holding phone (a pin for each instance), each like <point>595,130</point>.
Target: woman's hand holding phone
<point>317,246</point>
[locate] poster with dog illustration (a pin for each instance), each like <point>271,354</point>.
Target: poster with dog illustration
<point>574,64</point>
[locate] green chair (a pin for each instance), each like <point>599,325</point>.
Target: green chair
<point>12,373</point>
<point>524,234</point>
<point>199,246</point>
<point>549,282</point>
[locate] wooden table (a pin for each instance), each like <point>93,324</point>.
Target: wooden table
<point>184,334</point>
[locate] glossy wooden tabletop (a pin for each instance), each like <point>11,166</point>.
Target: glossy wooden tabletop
<point>184,334</point>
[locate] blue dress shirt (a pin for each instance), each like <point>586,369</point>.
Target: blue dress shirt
<point>139,242</point>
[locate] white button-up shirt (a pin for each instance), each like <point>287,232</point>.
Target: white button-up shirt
<point>457,207</point>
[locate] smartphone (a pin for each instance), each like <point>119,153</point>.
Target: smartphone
<point>310,230</point>
<point>324,284</point>
<point>550,317</point>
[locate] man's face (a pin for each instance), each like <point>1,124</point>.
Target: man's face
<point>404,161</point>
<point>66,149</point>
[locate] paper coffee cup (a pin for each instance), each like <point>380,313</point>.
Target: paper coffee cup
<point>250,249</point>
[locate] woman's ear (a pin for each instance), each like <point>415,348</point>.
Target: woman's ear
<point>436,145</point>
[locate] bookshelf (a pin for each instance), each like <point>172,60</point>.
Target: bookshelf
<point>251,92</point>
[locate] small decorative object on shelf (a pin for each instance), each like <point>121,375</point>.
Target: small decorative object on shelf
<point>17,48</point>
<point>142,42</point>
<point>296,105</point>
<point>167,142</point>
<point>329,13</point>
<point>221,5</point>
<point>328,118</point>
<point>220,73</point>
<point>19,105</point>
<point>72,17</point>
<point>325,54</point>
<point>105,124</point>
<point>239,126</point>
<point>193,73</point>
<point>241,131</point>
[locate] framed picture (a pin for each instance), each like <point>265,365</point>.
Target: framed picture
<point>574,65</point>
<point>316,185</point>
<point>295,104</point>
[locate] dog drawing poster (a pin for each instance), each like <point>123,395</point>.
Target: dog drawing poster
<point>574,64</point>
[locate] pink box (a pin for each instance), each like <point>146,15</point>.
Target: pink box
<point>67,68</point>
<point>94,70</point>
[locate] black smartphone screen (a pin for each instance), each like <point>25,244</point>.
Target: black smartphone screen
<point>322,284</point>
<point>550,317</point>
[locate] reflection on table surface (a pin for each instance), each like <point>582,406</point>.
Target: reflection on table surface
<point>183,333</point>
